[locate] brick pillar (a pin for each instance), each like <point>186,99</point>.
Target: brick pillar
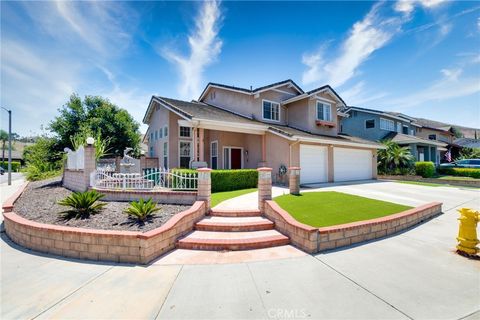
<point>294,180</point>
<point>264,186</point>
<point>89,165</point>
<point>204,186</point>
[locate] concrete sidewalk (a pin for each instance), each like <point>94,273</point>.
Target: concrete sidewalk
<point>413,275</point>
<point>6,191</point>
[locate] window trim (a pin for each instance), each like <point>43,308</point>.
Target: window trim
<point>324,104</point>
<point>230,156</point>
<point>365,127</point>
<point>279,111</point>
<point>389,121</point>
<point>211,154</point>
<point>165,156</point>
<point>434,135</point>
<point>179,153</point>
<point>182,137</point>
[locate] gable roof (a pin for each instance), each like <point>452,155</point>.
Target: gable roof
<point>401,138</point>
<point>251,91</point>
<point>388,114</point>
<point>313,92</point>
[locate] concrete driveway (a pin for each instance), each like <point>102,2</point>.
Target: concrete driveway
<point>413,275</point>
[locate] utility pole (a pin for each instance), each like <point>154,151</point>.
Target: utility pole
<point>9,145</point>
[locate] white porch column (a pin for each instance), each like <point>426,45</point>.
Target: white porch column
<point>201,147</point>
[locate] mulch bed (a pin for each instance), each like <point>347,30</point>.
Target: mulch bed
<point>39,203</point>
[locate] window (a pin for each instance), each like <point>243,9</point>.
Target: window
<point>386,124</point>
<point>432,137</point>
<point>271,110</point>
<point>151,151</point>
<point>165,155</point>
<point>212,95</point>
<point>324,111</point>
<point>370,124</point>
<point>160,133</point>
<point>405,130</point>
<point>214,154</point>
<point>151,136</point>
<point>156,135</point>
<point>185,153</point>
<point>185,132</point>
<point>165,132</point>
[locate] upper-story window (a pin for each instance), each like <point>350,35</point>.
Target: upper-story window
<point>271,110</point>
<point>369,123</point>
<point>324,111</point>
<point>432,137</point>
<point>151,136</point>
<point>165,132</point>
<point>160,133</point>
<point>156,135</point>
<point>185,132</point>
<point>386,124</point>
<point>405,129</point>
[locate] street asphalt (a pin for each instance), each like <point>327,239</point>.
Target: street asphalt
<point>412,275</point>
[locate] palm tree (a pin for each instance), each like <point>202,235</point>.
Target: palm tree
<point>394,156</point>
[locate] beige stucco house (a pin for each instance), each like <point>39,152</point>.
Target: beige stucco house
<point>278,125</point>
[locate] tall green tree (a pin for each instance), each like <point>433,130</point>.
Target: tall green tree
<point>98,115</point>
<point>4,139</point>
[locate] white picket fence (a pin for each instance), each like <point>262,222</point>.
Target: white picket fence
<point>150,179</point>
<point>76,159</point>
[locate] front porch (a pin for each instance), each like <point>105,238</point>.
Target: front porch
<point>425,152</point>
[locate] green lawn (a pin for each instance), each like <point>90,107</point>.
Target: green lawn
<point>218,197</point>
<point>456,178</point>
<point>322,209</point>
<point>424,183</point>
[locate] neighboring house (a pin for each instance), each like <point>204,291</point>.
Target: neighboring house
<point>380,125</point>
<point>16,156</point>
<point>467,142</point>
<point>442,134</point>
<point>278,126</point>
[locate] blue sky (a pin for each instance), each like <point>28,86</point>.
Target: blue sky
<point>418,57</point>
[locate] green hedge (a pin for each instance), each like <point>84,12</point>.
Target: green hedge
<point>229,180</point>
<point>15,165</point>
<point>426,169</point>
<point>461,172</point>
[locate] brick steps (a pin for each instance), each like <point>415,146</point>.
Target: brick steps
<point>235,213</point>
<point>206,240</point>
<point>234,224</point>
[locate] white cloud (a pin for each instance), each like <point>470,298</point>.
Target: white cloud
<point>204,45</point>
<point>365,37</point>
<point>407,6</point>
<point>359,95</point>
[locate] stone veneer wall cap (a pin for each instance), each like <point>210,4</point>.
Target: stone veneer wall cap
<point>264,169</point>
<point>288,218</point>
<point>7,206</point>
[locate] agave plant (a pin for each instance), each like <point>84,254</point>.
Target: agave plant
<point>142,209</point>
<point>82,204</point>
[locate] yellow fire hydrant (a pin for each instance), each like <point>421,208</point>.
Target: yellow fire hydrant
<point>467,233</point>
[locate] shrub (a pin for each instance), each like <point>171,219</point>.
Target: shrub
<point>15,165</point>
<point>142,209</point>
<point>426,169</point>
<point>83,204</point>
<point>229,180</point>
<point>462,172</point>
<point>42,160</point>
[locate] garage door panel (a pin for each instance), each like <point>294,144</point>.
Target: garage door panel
<point>352,164</point>
<point>313,164</point>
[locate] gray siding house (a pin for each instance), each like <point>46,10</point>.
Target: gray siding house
<point>379,125</point>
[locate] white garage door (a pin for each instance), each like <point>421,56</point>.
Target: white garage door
<point>313,164</point>
<point>352,164</point>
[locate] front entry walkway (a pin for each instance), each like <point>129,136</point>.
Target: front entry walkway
<point>413,275</point>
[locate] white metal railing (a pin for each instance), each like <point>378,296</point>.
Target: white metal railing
<point>152,178</point>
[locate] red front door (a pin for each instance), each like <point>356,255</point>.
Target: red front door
<point>236,158</point>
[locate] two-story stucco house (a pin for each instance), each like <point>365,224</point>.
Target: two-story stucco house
<point>278,125</point>
<point>380,125</point>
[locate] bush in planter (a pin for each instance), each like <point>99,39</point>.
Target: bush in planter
<point>142,210</point>
<point>82,204</point>
<point>229,180</point>
<point>426,169</point>
<point>461,172</point>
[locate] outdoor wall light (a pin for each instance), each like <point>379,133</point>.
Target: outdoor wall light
<point>90,141</point>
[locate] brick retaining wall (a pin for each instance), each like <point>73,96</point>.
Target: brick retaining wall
<point>74,180</point>
<point>460,183</point>
<point>104,245</point>
<point>166,196</point>
<point>313,240</point>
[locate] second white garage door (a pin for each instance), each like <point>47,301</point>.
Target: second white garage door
<point>313,164</point>
<point>352,164</point>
